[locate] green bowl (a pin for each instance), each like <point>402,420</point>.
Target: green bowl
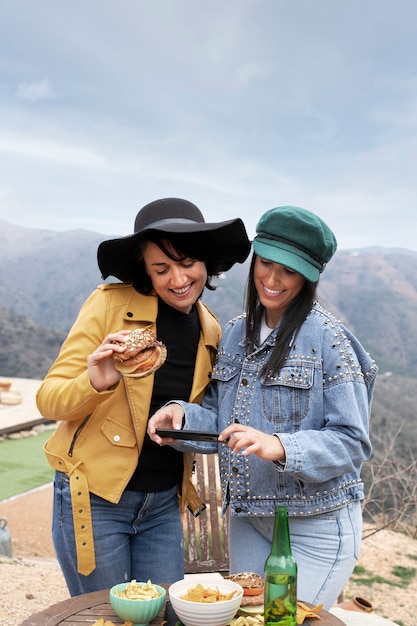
<point>140,612</point>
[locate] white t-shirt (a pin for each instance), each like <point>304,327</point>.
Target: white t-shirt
<point>264,331</point>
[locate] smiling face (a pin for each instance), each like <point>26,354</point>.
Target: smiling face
<point>178,283</point>
<point>277,286</point>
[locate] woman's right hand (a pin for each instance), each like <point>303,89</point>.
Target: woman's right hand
<point>100,364</point>
<point>169,416</point>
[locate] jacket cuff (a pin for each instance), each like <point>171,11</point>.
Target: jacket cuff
<point>293,454</point>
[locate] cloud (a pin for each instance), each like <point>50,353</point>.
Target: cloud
<point>251,71</point>
<point>238,106</point>
<point>41,90</point>
<point>63,152</point>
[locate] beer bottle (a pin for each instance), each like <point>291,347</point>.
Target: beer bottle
<point>280,576</point>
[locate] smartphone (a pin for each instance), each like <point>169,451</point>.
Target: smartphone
<point>188,435</point>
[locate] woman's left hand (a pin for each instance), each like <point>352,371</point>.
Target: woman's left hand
<point>251,441</point>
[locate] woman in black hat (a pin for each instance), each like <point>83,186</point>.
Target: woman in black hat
<point>290,395</point>
<point>116,505</point>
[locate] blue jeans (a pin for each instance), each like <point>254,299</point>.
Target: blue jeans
<point>140,537</point>
<point>326,548</point>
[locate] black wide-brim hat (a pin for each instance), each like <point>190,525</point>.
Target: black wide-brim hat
<point>228,240</point>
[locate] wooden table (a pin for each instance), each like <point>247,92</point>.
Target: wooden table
<point>81,610</point>
<point>86,609</point>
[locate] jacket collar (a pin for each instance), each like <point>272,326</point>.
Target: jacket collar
<point>208,329</point>
<point>141,308</point>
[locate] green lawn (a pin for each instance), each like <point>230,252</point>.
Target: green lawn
<point>23,465</point>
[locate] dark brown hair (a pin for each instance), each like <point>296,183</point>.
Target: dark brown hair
<point>290,322</point>
<point>176,246</point>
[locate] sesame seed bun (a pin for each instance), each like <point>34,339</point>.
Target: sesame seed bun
<point>142,355</point>
<point>253,587</point>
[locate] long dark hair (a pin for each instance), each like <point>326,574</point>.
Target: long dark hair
<point>290,323</point>
<point>176,246</point>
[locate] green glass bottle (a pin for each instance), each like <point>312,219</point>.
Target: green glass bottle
<point>280,576</point>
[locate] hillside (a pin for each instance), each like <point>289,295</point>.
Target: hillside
<point>45,276</point>
<point>26,348</point>
<point>375,292</point>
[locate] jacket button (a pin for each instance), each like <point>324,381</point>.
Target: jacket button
<point>245,382</point>
<point>116,438</point>
<point>129,314</point>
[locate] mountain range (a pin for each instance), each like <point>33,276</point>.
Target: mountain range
<point>45,276</point>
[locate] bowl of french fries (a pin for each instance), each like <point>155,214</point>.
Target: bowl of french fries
<point>206,601</point>
<point>137,602</point>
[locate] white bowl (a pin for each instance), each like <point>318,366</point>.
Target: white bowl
<point>205,613</point>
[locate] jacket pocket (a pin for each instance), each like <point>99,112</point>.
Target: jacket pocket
<point>225,370</point>
<point>286,398</point>
<point>118,434</point>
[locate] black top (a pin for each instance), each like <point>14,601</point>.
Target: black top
<point>160,468</point>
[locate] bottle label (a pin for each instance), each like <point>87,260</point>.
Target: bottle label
<point>280,600</point>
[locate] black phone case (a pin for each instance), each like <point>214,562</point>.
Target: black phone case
<point>187,435</point>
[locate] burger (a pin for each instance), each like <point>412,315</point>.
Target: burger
<point>253,589</point>
<point>142,354</point>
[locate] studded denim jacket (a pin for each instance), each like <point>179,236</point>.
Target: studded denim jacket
<point>319,406</point>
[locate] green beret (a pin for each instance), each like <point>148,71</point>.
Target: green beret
<point>295,238</point>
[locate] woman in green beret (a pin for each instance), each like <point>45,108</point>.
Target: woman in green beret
<point>290,394</point>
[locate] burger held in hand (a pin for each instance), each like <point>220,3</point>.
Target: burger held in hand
<point>253,588</point>
<point>142,355</point>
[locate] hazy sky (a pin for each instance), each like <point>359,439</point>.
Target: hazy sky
<point>236,105</point>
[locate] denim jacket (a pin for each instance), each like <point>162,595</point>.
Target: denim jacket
<point>319,406</point>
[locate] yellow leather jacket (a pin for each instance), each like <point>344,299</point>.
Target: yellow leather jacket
<point>100,434</point>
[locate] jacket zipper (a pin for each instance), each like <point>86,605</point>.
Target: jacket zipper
<point>77,432</point>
